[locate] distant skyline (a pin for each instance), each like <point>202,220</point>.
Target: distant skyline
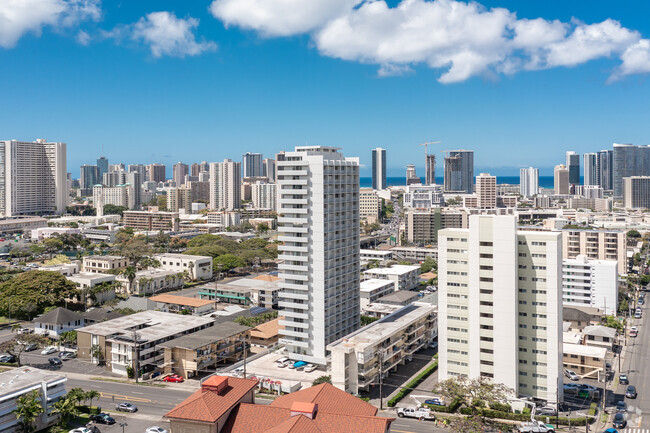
<point>163,81</point>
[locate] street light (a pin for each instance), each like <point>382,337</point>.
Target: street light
<point>123,424</point>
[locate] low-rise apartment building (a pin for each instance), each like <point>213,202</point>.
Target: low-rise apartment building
<point>151,221</point>
<point>405,277</point>
<point>596,245</point>
<point>370,205</point>
<point>135,340</point>
<point>586,361</point>
<point>101,264</point>
<point>192,354</point>
<point>373,289</point>
<point>418,254</point>
<point>177,304</point>
<point>381,256</point>
<point>590,283</point>
<point>359,358</point>
<point>197,267</point>
<point>151,281</point>
<point>21,381</point>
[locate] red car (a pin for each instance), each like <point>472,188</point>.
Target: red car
<point>173,378</point>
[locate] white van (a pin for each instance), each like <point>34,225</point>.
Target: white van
<point>637,313</point>
<point>282,362</point>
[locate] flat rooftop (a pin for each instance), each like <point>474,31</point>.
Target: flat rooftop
<point>25,379</point>
<point>181,256</point>
<point>581,350</point>
<point>393,270</point>
<point>103,258</point>
<point>383,328</point>
<point>381,308</point>
<point>206,336</point>
<point>89,276</point>
<point>261,282</point>
<point>374,284</point>
<point>181,300</point>
<point>156,324</point>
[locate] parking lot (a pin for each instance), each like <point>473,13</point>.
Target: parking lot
<point>266,367</point>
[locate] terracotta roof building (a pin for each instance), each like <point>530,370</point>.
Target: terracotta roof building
<point>321,408</point>
<point>265,335</point>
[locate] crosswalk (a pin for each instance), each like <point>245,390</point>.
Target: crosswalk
<point>637,430</point>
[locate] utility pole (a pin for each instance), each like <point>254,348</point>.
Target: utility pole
<point>136,349</point>
<point>381,378</point>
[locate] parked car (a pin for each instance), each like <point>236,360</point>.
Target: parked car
<point>8,359</point>
<point>310,367</point>
<point>81,430</point>
<point>67,355</point>
<point>55,362</point>
<point>623,379</point>
<point>415,412</point>
<point>282,362</point>
<point>126,407</point>
<point>611,430</point>
<point>48,350</point>
<point>621,406</point>
<point>25,331</point>
<point>630,392</point>
<point>435,401</point>
<point>546,411</point>
<point>619,420</point>
<point>571,375</point>
<point>30,347</point>
<point>535,427</point>
<point>103,418</point>
<point>571,388</point>
<point>173,378</point>
<point>238,371</point>
<point>587,387</point>
<point>637,313</point>
<point>155,429</point>
<point>633,331</point>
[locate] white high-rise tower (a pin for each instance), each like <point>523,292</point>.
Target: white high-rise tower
<point>528,181</point>
<point>319,228</point>
<point>225,185</point>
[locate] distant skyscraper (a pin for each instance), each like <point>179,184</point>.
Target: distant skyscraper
<point>139,168</point>
<point>102,164</point>
<point>606,169</point>
<point>629,160</point>
<point>135,180</point>
<point>268,169</point>
<point>156,172</point>
<point>528,181</point>
<point>573,164</point>
<point>116,167</point>
<point>252,165</point>
<point>195,169</point>
<point>225,185</point>
<point>379,168</point>
<point>486,191</point>
<point>430,169</point>
<point>317,308</point>
<point>590,163</point>
<point>561,179</point>
<point>32,178</point>
<point>636,192</point>
<point>459,171</point>
<point>179,171</point>
<point>411,177</point>
<point>113,178</point>
<point>88,177</point>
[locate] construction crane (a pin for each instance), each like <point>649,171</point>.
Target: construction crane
<point>426,144</point>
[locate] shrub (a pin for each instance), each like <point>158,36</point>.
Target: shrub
<point>412,384</point>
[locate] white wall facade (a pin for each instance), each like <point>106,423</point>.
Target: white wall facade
<point>225,181</point>
<point>590,283</point>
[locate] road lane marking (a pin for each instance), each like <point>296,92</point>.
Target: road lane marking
<point>124,397</point>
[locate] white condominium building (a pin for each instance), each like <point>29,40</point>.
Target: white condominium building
<point>319,228</point>
<point>590,283</point>
<point>225,185</point>
<point>528,181</point>
<point>32,178</point>
<point>264,195</point>
<point>500,304</point>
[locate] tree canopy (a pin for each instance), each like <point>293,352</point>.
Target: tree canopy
<point>31,292</point>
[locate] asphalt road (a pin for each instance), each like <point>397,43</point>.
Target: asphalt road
<point>637,367</point>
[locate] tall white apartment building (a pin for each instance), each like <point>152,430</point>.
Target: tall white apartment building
<point>264,195</point>
<point>500,304</point>
<point>528,181</point>
<point>225,185</point>
<point>486,191</point>
<point>32,178</point>
<point>590,283</point>
<point>115,195</point>
<point>319,228</point>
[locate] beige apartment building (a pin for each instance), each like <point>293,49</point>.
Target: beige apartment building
<point>596,245</point>
<point>179,198</point>
<point>152,221</point>
<point>500,305</point>
<point>102,264</point>
<point>486,191</point>
<point>422,226</point>
<point>369,204</point>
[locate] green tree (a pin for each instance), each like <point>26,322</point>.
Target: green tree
<point>32,292</point>
<point>65,408</point>
<point>77,395</point>
<point>135,249</point>
<point>634,234</point>
<point>429,264</point>
<point>68,337</point>
<point>612,322</point>
<point>28,408</point>
<point>229,262</point>
<point>322,379</point>
<point>92,395</point>
<point>111,209</point>
<point>367,320</point>
<point>53,244</point>
<point>162,202</point>
<point>96,353</point>
<point>16,346</point>
<point>129,273</point>
<point>373,264</point>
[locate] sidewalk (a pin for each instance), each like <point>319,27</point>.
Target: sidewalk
<point>425,387</point>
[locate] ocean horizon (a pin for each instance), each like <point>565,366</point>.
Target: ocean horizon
<point>544,181</point>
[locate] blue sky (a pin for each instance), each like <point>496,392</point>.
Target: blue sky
<point>196,83</point>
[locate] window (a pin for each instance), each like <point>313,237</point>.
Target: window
<point>456,329</point>
<point>456,340</point>
<point>486,279</point>
<point>523,361</point>
<point>463,319</point>
<point>523,290</point>
<point>488,327</point>
<point>523,349</point>
<point>539,268</point>
<point>523,373</point>
<point>522,266</point>
<point>540,352</point>
<point>487,351</point>
<point>457,307</point>
<point>541,304</point>
<point>486,267</point>
<point>523,255</point>
<point>487,315</point>
<point>522,278</point>
<point>523,302</point>
<point>487,339</point>
<point>486,292</point>
<point>539,244</point>
<point>539,256</point>
<point>485,244</point>
<point>484,362</point>
<point>523,325</point>
<point>541,280</point>
<point>540,340</point>
<point>521,337</point>
<point>523,314</point>
<point>486,303</point>
<point>485,256</point>
<point>484,374</point>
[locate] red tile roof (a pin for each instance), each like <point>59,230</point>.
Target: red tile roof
<point>329,399</point>
<point>249,418</point>
<point>208,406</point>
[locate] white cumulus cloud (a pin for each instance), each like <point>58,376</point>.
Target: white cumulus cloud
<point>167,35</point>
<point>461,39</point>
<point>18,17</point>
<point>636,60</point>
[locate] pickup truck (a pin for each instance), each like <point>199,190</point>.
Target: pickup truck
<point>535,427</point>
<point>412,412</point>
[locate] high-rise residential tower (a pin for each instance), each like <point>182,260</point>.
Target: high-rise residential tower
<point>88,177</point>
<point>459,171</point>
<point>252,165</point>
<point>379,168</point>
<point>590,163</point>
<point>268,169</point>
<point>179,171</point>
<point>142,169</point>
<point>561,179</point>
<point>500,305</point>
<point>102,165</point>
<point>486,191</point>
<point>573,165</point>
<point>32,178</point>
<point>411,177</point>
<point>528,181</point>
<point>430,169</point>
<point>629,160</point>
<point>225,185</point>
<point>606,169</point>
<point>156,172</point>
<point>319,226</point>
<point>636,192</point>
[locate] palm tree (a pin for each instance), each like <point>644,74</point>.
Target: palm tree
<point>190,266</point>
<point>96,353</point>
<point>77,395</point>
<point>91,395</point>
<point>28,408</point>
<point>65,407</point>
<point>129,273</point>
